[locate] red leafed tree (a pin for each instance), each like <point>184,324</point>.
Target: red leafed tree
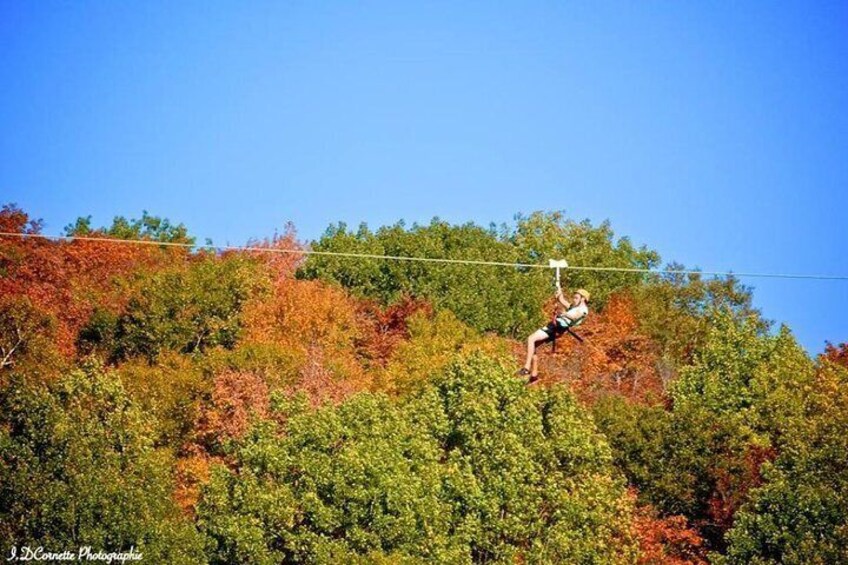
<point>732,488</point>
<point>837,354</point>
<point>67,279</point>
<point>15,220</point>
<point>320,383</point>
<point>238,397</point>
<point>385,328</point>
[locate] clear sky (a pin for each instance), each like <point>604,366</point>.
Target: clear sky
<point>714,132</point>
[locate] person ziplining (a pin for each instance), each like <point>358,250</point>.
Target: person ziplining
<point>576,311</point>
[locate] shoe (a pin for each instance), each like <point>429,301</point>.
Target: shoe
<point>522,372</point>
<point>533,379</point>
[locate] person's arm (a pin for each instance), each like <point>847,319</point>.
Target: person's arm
<point>561,299</point>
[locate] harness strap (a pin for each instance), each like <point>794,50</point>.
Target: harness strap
<point>568,322</point>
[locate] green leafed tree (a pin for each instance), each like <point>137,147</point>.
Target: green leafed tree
<point>506,300</point>
<point>551,235</point>
<point>731,411</point>
<point>487,298</point>
<point>147,227</point>
<point>433,342</point>
<point>26,337</point>
<point>676,310</point>
<point>798,516</point>
<point>689,462</point>
<point>743,373</point>
<point>347,483</point>
<point>77,468</point>
<point>529,475</point>
<point>472,468</point>
<point>188,308</point>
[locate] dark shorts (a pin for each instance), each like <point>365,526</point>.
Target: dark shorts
<point>554,330</point>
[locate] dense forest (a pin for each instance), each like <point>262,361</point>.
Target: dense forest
<point>262,406</point>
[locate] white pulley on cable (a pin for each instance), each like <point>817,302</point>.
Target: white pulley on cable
<point>558,264</point>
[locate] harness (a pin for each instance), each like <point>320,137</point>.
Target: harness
<point>570,326</point>
<point>567,325</point>
<point>568,322</point>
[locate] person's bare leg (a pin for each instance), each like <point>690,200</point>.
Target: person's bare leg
<point>534,366</point>
<point>535,337</point>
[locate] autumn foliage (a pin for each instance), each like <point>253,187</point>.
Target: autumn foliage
<point>668,540</point>
<point>837,354</point>
<point>270,406</point>
<point>68,280</point>
<point>614,357</point>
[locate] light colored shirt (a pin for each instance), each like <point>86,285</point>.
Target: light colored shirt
<point>577,311</point>
<point>574,314</point>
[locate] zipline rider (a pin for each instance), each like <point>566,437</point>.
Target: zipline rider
<point>576,312</point>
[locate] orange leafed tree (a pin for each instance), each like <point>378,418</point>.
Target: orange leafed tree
<point>237,397</point>
<point>614,356</point>
<point>319,323</point>
<point>666,540</point>
<point>280,253</point>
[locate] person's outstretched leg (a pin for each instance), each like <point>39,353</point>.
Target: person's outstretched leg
<point>532,340</point>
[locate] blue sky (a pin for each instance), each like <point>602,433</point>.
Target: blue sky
<point>715,133</point>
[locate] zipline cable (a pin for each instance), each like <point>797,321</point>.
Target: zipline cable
<point>425,259</point>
